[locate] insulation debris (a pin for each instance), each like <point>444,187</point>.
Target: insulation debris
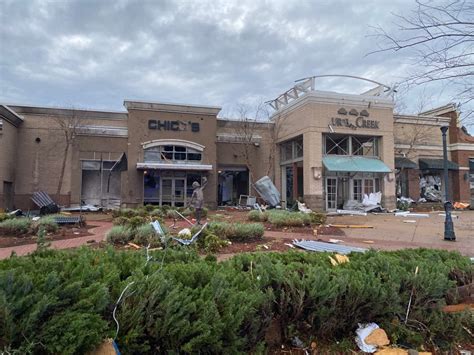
<point>350,226</point>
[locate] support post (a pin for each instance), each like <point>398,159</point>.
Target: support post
<point>448,222</point>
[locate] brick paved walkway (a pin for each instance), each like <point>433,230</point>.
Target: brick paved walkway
<point>98,234</point>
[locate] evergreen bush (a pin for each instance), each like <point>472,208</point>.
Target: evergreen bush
<point>61,301</point>
<point>5,216</point>
<point>288,219</point>
<point>237,231</point>
<point>119,235</point>
<point>145,235</point>
<point>257,216</point>
<point>15,226</point>
<point>47,223</point>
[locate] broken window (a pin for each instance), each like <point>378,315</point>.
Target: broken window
<point>364,146</point>
<point>337,144</point>
<point>292,150</point>
<point>172,154</point>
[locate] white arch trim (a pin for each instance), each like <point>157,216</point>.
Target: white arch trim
<point>181,142</point>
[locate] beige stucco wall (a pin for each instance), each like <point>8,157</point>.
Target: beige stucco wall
<point>311,115</point>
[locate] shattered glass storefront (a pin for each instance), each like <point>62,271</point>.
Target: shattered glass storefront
<point>353,170</point>
<point>431,178</point>
<point>101,183</point>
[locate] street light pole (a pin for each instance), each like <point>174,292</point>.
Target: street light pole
<point>448,222</point>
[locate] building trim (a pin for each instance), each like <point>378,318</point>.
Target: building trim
<point>61,111</point>
<point>171,107</point>
<point>164,166</point>
<point>329,97</point>
<point>102,131</point>
<point>182,142</point>
<point>424,120</point>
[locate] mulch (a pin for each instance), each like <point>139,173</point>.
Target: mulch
<point>65,232</point>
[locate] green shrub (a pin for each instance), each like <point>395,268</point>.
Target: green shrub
<point>48,224</point>
<point>157,214</point>
<point>129,222</point>
<point>61,301</point>
<point>237,231</point>
<point>145,235</point>
<point>121,221</point>
<point>119,235</point>
<point>288,219</point>
<point>317,218</point>
<point>15,226</point>
<point>257,216</point>
<point>211,243</point>
<point>5,216</point>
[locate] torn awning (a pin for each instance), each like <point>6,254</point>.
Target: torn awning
<point>404,163</point>
<point>355,164</point>
<point>436,164</point>
<point>164,166</point>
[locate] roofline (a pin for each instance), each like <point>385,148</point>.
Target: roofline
<point>440,110</point>
<point>59,111</point>
<point>171,107</point>
<point>335,98</point>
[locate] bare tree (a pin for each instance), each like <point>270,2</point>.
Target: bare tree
<point>247,133</point>
<point>440,34</point>
<point>69,124</point>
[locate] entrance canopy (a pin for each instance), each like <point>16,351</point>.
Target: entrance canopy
<point>436,164</point>
<point>355,164</point>
<point>164,166</point>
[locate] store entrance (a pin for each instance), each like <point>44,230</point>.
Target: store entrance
<point>173,192</point>
<point>168,188</point>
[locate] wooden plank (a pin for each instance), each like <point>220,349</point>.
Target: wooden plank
<point>350,226</point>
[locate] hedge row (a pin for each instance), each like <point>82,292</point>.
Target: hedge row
<point>61,301</point>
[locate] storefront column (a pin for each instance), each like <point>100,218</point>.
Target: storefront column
<point>389,199</point>
<point>313,182</point>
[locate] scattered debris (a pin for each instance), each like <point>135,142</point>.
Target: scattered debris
<point>133,245</point>
<point>90,241</point>
<point>290,245</point>
<point>45,203</point>
<point>328,247</point>
<point>302,208</point>
<point>461,205</point>
<point>362,333</point>
<point>83,208</point>
<point>338,259</point>
<point>456,308</point>
<point>68,219</point>
<point>392,351</point>
<point>350,226</point>
<point>430,186</point>
<point>185,232</point>
<point>348,212</point>
<point>335,241</point>
<point>268,191</point>
<point>35,218</point>
<point>409,214</point>
<point>409,221</point>
<point>378,337</point>
<point>411,297</point>
<point>193,239</point>
<point>452,215</point>
<point>297,342</point>
<point>368,241</point>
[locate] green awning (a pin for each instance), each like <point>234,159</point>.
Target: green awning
<point>404,163</point>
<point>436,164</point>
<point>355,164</point>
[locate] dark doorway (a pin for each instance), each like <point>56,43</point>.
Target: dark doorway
<point>232,184</point>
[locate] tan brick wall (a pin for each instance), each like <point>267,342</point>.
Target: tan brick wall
<point>138,133</point>
<point>8,156</point>
<point>312,119</point>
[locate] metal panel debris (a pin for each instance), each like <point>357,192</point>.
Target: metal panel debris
<point>326,247</point>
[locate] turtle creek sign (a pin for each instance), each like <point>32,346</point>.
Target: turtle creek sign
<point>173,125</point>
<point>359,122</point>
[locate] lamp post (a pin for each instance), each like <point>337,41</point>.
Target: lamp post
<point>448,222</point>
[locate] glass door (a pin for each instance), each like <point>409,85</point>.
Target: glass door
<point>173,191</point>
<point>331,193</point>
<point>166,191</point>
<point>179,189</point>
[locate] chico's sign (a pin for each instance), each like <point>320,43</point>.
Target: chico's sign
<point>360,121</point>
<point>173,125</point>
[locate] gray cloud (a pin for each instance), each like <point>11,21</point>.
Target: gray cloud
<point>95,53</point>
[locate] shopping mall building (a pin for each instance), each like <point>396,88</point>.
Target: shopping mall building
<point>325,148</point>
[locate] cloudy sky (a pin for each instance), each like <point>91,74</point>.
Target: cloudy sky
<point>96,53</point>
